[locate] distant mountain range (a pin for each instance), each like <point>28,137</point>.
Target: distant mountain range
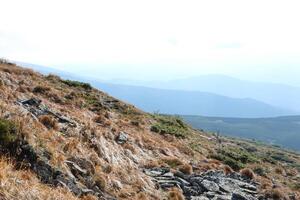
<point>284,131</point>
<point>181,102</point>
<point>278,95</point>
<point>189,102</point>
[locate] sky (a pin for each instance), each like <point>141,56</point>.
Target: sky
<point>159,39</point>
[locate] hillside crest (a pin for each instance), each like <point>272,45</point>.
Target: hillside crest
<point>63,139</point>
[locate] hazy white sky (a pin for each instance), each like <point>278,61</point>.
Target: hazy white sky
<point>253,39</point>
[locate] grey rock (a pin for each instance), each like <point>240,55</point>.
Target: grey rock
<point>122,138</point>
<point>241,196</point>
<point>199,198</point>
<point>213,185</point>
<point>210,186</point>
<point>36,108</point>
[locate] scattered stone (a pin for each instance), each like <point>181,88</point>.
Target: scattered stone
<point>36,108</point>
<point>210,186</point>
<point>122,138</point>
<point>215,185</point>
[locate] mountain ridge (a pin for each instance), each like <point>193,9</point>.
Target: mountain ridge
<point>205,103</point>
<point>276,94</point>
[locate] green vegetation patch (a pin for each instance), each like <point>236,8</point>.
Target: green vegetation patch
<point>9,132</point>
<point>236,158</point>
<point>77,84</point>
<point>169,125</point>
<point>280,156</point>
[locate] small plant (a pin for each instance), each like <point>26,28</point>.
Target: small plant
<point>100,182</point>
<point>135,123</point>
<point>77,84</point>
<point>173,162</point>
<point>279,170</point>
<point>9,132</point>
<point>108,169</point>
<point>99,119</point>
<point>41,89</point>
<point>259,171</point>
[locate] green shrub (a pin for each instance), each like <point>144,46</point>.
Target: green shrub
<point>260,171</point>
<point>280,156</point>
<point>234,164</point>
<point>77,84</point>
<point>169,125</point>
<point>9,132</point>
<point>234,157</point>
<point>41,89</point>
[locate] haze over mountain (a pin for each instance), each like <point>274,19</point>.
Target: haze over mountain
<point>181,102</point>
<point>279,95</point>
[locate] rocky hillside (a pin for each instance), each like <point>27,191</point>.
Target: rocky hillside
<point>62,139</point>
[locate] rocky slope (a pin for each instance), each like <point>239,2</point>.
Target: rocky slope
<point>62,139</point>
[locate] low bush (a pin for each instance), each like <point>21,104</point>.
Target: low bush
<point>280,156</point>
<point>77,84</point>
<point>236,158</point>
<point>247,173</point>
<point>260,171</point>
<point>9,132</point>
<point>169,125</point>
<point>234,164</point>
<point>41,89</point>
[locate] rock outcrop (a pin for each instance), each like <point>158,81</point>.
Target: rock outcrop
<point>210,185</point>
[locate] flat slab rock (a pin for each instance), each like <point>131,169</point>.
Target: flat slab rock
<point>213,185</point>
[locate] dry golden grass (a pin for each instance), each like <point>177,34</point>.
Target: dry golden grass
<point>247,173</point>
<point>14,69</point>
<point>227,170</point>
<point>49,122</point>
<point>277,194</point>
<point>279,170</point>
<point>93,140</point>
<point>19,184</point>
<point>186,169</point>
<point>41,89</point>
<point>175,194</point>
<point>89,197</point>
<point>151,164</point>
<point>173,161</point>
<point>130,147</point>
<point>100,181</point>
